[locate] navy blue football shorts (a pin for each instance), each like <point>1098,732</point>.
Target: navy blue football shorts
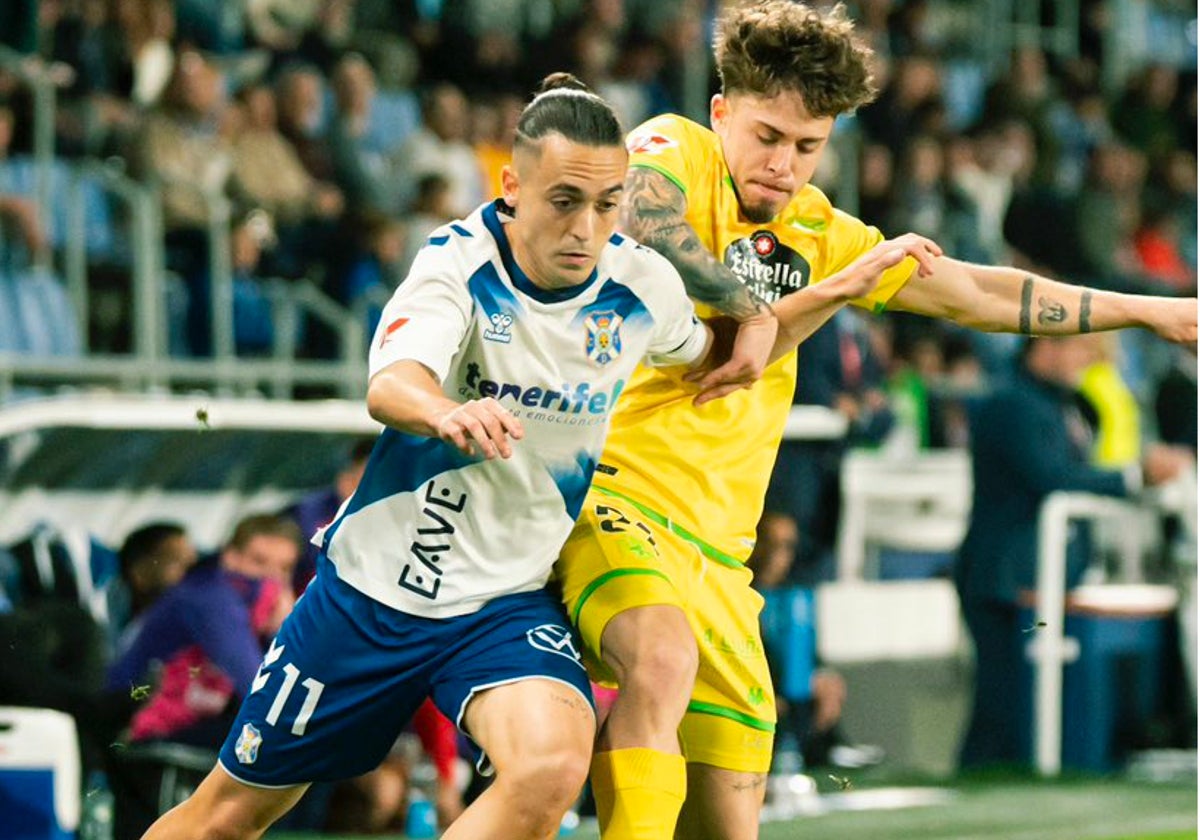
<point>346,674</point>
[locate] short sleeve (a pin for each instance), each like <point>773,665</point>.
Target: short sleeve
<point>663,144</point>
<point>427,318</point>
<point>679,337</point>
<point>849,238</point>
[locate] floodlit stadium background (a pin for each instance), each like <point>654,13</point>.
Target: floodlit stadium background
<point>183,337</point>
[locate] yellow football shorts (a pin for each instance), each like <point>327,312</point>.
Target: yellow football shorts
<point>621,555</point>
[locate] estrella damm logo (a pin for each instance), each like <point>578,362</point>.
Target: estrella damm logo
<point>769,268</point>
<point>603,342</point>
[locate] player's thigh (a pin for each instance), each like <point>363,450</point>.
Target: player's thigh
<point>534,723</point>
<point>721,804</point>
<point>226,807</point>
<point>617,559</point>
<point>524,645</point>
<point>730,721</point>
<point>335,689</point>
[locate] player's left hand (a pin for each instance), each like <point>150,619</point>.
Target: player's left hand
<point>1173,319</point>
<point>740,358</point>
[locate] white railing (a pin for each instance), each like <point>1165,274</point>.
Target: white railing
<point>1049,649</point>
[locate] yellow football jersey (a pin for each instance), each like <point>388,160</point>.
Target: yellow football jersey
<point>707,468</point>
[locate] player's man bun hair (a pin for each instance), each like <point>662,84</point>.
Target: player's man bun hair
<point>565,105</point>
<point>560,80</point>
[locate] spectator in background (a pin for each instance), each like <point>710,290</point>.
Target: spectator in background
<point>494,125</point>
<point>1107,213</point>
<point>267,171</point>
<point>1028,440</point>
<point>317,509</point>
<point>185,146</point>
<point>838,369</point>
<point>196,655</point>
<point>1175,401</point>
<point>440,147</point>
<point>376,266</point>
<point>1118,429</point>
<point>1143,116</point>
<point>299,92</point>
<point>430,211</point>
<point>361,172</point>
<point>809,698</point>
<point>152,559</point>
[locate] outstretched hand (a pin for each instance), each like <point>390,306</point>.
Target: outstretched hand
<point>737,357</point>
<point>482,426</point>
<point>1175,320</point>
<point>860,277</point>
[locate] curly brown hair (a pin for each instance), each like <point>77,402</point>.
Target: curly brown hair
<point>769,46</point>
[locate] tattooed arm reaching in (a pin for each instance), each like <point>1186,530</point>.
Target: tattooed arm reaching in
<point>997,299</point>
<point>652,212</point>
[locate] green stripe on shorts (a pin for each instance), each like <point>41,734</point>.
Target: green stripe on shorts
<point>699,708</point>
<point>678,530</point>
<point>605,578</point>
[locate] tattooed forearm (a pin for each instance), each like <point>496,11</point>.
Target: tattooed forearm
<point>1050,311</point>
<point>652,212</point>
<point>1026,300</point>
<point>1085,312</point>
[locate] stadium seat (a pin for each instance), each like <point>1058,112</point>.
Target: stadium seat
<point>913,506</point>
<point>39,775</point>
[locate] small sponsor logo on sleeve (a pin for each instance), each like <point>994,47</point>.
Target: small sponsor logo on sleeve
<point>650,144</point>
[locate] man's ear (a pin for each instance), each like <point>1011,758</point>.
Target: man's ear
<point>718,110</point>
<point>510,184</point>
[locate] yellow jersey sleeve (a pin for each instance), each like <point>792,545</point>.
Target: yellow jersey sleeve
<point>667,144</point>
<point>849,238</point>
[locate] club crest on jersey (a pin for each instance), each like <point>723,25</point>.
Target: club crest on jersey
<point>603,342</point>
<point>650,144</point>
<point>501,329</point>
<point>554,638</point>
<point>246,748</point>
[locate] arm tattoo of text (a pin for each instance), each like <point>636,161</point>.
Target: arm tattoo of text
<point>1026,300</point>
<point>757,780</point>
<point>652,211</point>
<point>1050,311</point>
<point>1085,312</point>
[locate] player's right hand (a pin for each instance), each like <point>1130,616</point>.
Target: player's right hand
<point>480,427</point>
<point>860,277</point>
<point>731,367</point>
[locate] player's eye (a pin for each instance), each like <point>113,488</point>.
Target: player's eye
<point>766,141</point>
<point>606,206</point>
<point>562,203</point>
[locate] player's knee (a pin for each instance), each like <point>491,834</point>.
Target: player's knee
<point>663,670</point>
<point>547,784</point>
<point>652,649</point>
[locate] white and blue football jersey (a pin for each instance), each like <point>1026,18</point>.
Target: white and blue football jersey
<point>434,533</point>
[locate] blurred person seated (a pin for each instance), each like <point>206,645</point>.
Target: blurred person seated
<point>440,147</point>
<point>1028,440</point>
<point>317,509</point>
<point>809,698</point>
<point>360,170</point>
<point>195,656</point>
<point>251,236</point>
<point>267,171</point>
<point>430,210</point>
<point>184,144</point>
<point>374,268</point>
<point>153,558</point>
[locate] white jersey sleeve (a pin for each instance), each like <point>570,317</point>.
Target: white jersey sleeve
<point>679,337</point>
<point>427,318</point>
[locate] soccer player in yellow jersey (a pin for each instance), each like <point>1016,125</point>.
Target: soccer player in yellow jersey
<point>653,573</point>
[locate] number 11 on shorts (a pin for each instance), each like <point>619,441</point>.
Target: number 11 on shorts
<point>290,675</point>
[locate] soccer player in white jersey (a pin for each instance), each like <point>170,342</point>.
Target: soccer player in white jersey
<point>494,369</point>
